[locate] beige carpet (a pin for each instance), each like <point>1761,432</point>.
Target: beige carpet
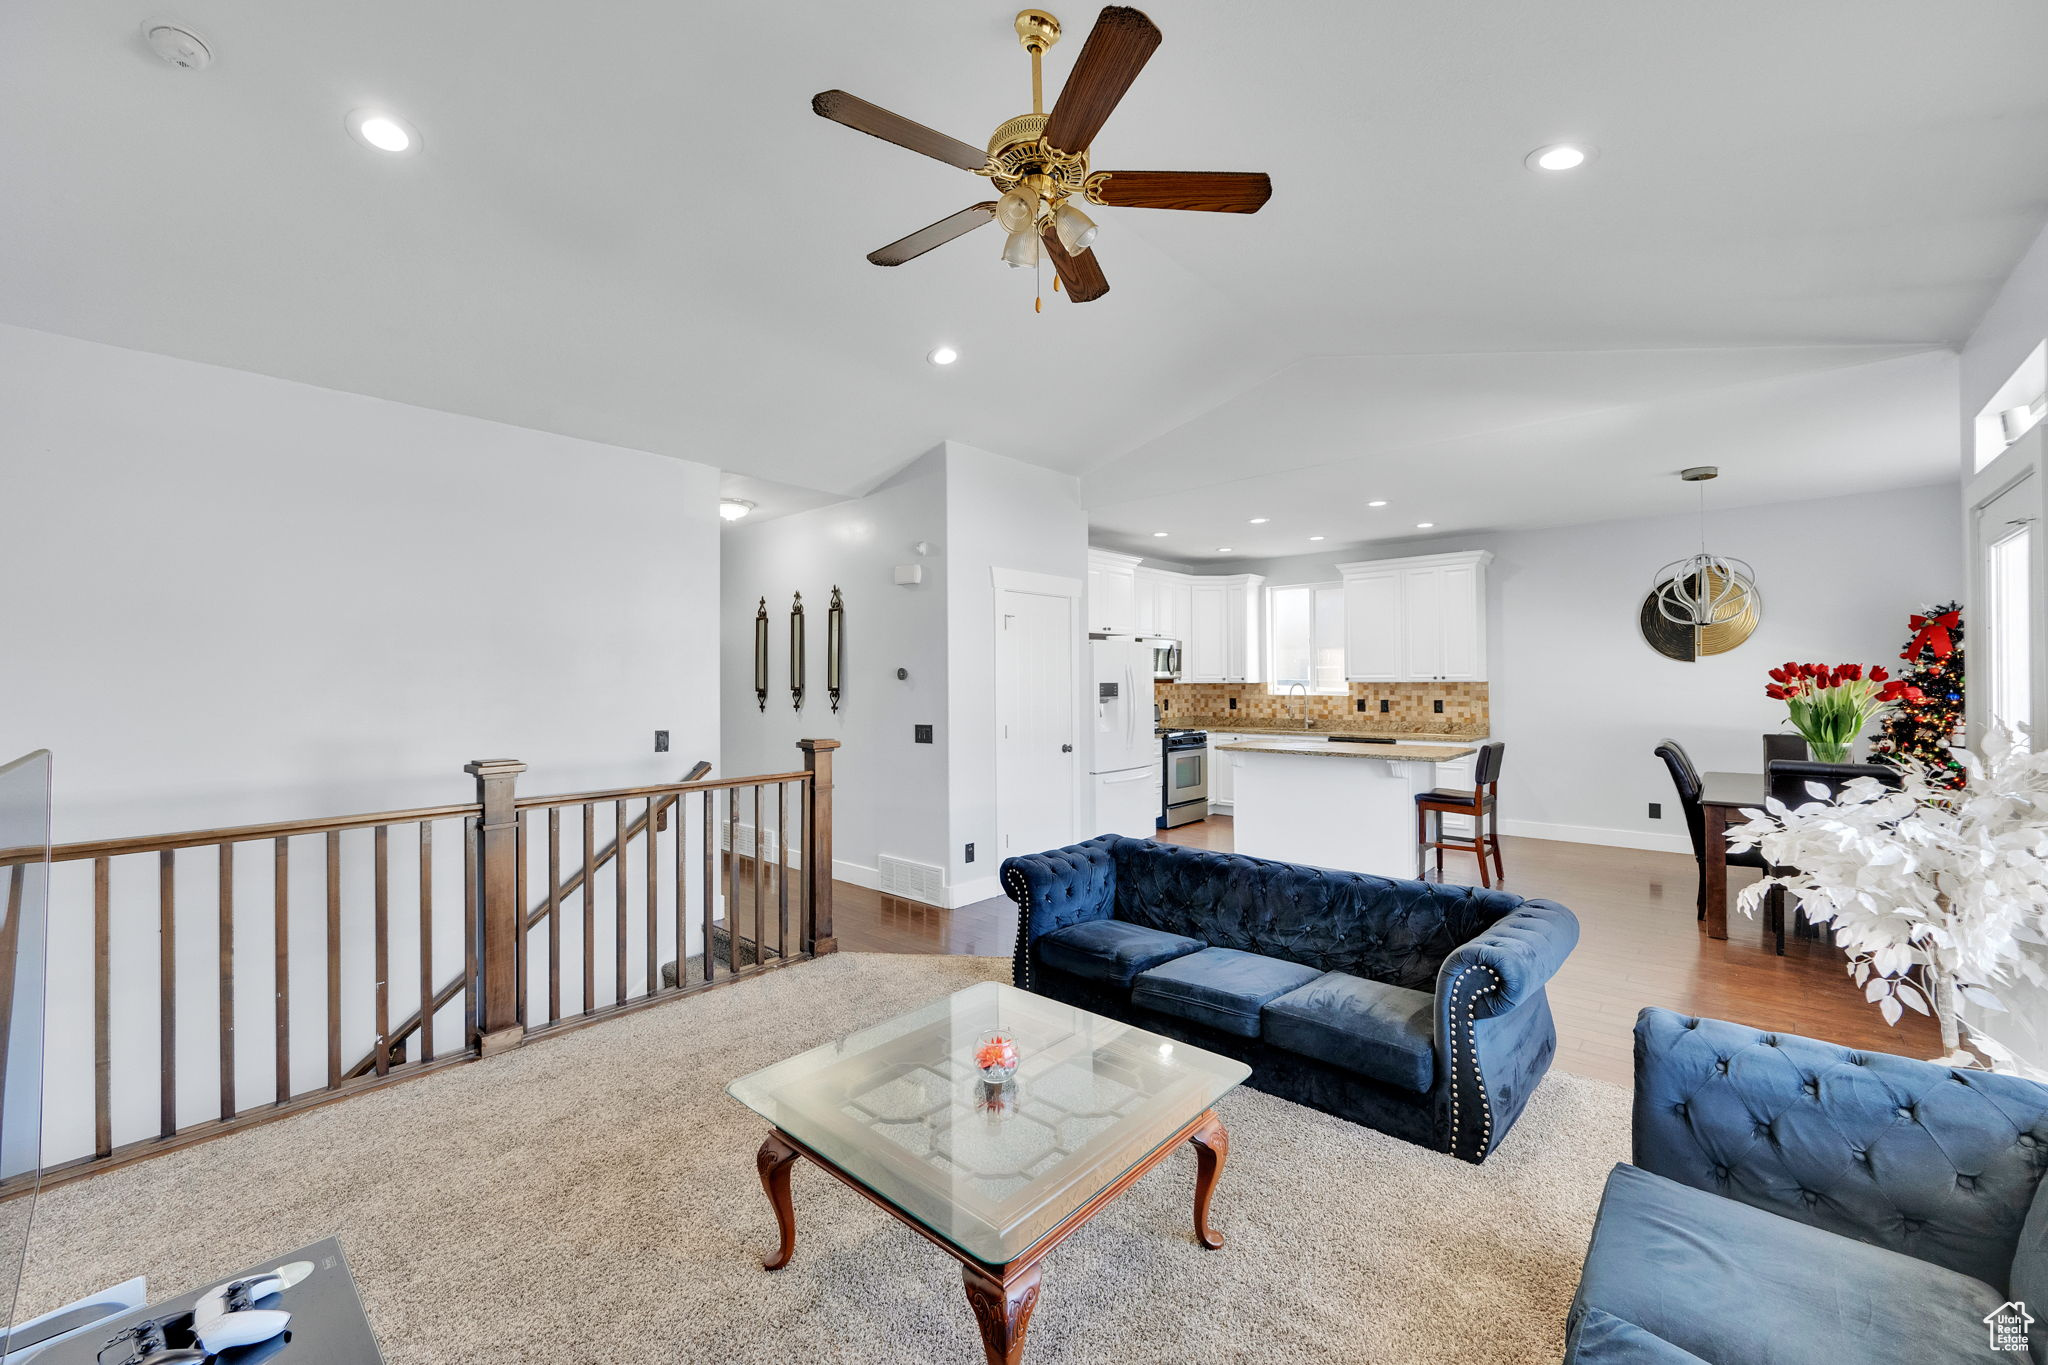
<point>594,1199</point>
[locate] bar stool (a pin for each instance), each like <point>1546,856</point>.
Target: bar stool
<point>1482,803</point>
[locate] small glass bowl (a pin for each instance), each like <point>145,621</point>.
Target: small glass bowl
<point>996,1057</point>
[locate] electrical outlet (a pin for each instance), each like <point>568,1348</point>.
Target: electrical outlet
<point>1385,706</point>
<point>970,853</point>
<point>1437,706</point>
<point>1233,703</point>
<point>1360,706</point>
<point>1656,810</point>
<point>661,741</point>
<point>923,734</point>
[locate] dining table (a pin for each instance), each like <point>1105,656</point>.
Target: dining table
<point>1723,796</point>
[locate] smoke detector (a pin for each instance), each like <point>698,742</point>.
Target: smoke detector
<point>178,46</point>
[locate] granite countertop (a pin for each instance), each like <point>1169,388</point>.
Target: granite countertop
<point>1231,727</point>
<point>1323,748</point>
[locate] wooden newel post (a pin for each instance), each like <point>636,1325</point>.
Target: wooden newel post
<point>496,918</point>
<point>818,845</point>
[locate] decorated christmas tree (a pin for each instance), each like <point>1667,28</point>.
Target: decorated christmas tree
<point>1922,734</point>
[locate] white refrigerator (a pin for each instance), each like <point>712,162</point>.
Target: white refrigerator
<point>1123,753</point>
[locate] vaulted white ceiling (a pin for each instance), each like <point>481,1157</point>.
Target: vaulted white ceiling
<point>627,225</point>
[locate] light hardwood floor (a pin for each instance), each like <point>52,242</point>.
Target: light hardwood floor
<point>1639,945</point>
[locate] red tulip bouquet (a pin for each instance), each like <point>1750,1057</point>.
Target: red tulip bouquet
<point>1832,706</point>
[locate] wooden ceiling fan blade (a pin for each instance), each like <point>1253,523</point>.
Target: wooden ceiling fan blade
<point>875,121</point>
<point>1206,191</point>
<point>1082,275</point>
<point>938,234</point>
<point>1117,49</point>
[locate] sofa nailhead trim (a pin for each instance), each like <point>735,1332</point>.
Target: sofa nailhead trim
<point>1471,1057</point>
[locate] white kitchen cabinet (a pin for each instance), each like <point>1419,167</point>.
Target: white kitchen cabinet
<point>1162,603</point>
<point>1221,767</point>
<point>1244,654</point>
<point>1112,593</point>
<point>1421,619</point>
<point>1205,653</point>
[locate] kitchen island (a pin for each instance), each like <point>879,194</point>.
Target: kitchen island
<point>1332,803</point>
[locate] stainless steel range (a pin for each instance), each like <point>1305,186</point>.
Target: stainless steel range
<point>1185,793</point>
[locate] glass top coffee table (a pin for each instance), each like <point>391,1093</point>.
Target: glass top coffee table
<point>996,1177</point>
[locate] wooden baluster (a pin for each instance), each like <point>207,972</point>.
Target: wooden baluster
<point>782,870</point>
<point>732,876</point>
<point>167,990</point>
<point>760,895</point>
<point>818,847</point>
<point>589,906</point>
<point>554,913</point>
<point>521,944</point>
<point>227,981</point>
<point>10,943</point>
<point>682,847</point>
<point>281,972</point>
<point>470,853</point>
<point>381,947</point>
<point>426,940</point>
<point>102,1038</point>
<point>619,900</point>
<point>653,901</point>
<point>707,852</point>
<point>333,958</point>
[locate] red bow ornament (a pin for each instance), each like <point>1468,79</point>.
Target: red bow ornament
<point>1932,632</point>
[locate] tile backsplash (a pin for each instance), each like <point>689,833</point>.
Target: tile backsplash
<point>1411,707</point>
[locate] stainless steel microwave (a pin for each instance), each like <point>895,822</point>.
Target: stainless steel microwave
<point>1165,660</point>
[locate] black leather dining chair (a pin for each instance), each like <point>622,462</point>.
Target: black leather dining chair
<point>1790,782</point>
<point>1686,778</point>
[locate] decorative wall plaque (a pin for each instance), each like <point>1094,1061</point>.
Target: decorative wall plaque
<point>761,654</point>
<point>835,641</point>
<point>796,653</point>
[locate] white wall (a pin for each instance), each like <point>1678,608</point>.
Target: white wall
<point>890,792</point>
<point>1002,514</point>
<point>1580,699</point>
<point>232,599</point>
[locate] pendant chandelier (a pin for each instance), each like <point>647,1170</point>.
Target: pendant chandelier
<point>1704,589</point>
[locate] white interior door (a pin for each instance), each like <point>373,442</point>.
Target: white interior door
<point>1036,739</point>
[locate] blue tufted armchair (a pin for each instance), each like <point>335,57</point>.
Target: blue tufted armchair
<point>1794,1202</point>
<point>1414,1007</point>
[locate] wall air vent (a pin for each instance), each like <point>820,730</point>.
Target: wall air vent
<point>912,881</point>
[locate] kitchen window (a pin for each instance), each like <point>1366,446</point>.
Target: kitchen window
<point>1305,637</point>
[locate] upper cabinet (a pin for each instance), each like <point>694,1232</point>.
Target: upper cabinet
<point>1421,619</point>
<point>1165,603</point>
<point>1222,640</point>
<point>1112,593</point>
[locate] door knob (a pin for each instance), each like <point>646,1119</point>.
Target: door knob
<point>1066,748</point>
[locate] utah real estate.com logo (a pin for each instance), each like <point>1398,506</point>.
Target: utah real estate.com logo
<point>2008,1323</point>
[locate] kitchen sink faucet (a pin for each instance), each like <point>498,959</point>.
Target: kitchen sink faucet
<point>1306,723</point>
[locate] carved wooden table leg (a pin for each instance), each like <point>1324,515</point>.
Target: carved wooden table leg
<point>1002,1308</point>
<point>775,1158</point>
<point>1212,1146</point>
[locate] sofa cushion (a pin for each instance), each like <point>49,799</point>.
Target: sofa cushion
<point>2030,1270</point>
<point>1385,1032</point>
<point>1219,987</point>
<point>1111,950</point>
<point>1735,1285</point>
<point>1603,1339</point>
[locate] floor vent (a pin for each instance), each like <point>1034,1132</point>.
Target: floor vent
<point>912,881</point>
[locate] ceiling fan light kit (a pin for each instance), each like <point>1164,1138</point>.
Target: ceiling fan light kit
<point>1038,162</point>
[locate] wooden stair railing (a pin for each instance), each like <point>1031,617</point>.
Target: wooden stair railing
<point>395,1044</point>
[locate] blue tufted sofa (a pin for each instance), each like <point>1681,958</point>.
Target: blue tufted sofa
<point>1416,1008</point>
<point>1794,1202</point>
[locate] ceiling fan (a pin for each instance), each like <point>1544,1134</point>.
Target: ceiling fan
<point>1039,161</point>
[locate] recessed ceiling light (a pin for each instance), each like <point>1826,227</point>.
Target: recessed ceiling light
<point>1260,521</point>
<point>1315,537</point>
<point>1424,525</point>
<point>943,355</point>
<point>1158,533</point>
<point>384,132</point>
<point>1559,156</point>
<point>732,509</point>
<point>1223,549</point>
<point>1377,502</point>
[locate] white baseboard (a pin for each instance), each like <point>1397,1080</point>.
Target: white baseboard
<point>856,873</point>
<point>968,892</point>
<point>1594,834</point>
